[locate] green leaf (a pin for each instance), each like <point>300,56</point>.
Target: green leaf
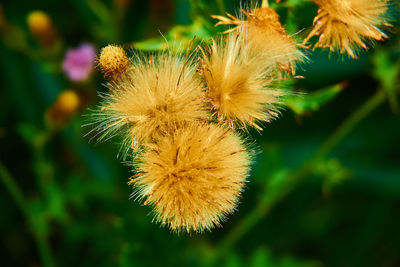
<point>177,39</point>
<point>261,258</point>
<point>38,218</point>
<point>305,103</point>
<point>55,202</point>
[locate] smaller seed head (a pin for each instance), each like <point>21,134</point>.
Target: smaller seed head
<point>113,61</point>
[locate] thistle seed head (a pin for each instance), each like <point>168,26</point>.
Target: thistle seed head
<point>155,96</point>
<point>193,177</point>
<point>261,28</point>
<point>346,25</point>
<point>239,83</point>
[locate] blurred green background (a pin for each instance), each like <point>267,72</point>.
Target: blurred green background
<point>324,189</point>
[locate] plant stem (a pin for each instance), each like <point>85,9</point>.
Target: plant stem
<point>18,197</point>
<point>370,105</point>
<point>264,3</point>
<point>13,189</point>
<point>292,179</point>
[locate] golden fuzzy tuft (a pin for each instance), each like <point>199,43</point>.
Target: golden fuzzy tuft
<point>264,32</point>
<point>193,177</point>
<point>154,97</point>
<point>113,61</point>
<point>345,25</point>
<point>239,83</point>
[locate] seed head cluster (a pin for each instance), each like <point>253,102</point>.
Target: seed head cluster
<point>180,114</point>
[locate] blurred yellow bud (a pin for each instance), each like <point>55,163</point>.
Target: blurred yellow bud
<point>63,109</point>
<point>113,61</point>
<point>41,26</point>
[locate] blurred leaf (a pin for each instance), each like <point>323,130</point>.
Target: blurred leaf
<point>233,261</point>
<point>28,132</point>
<point>32,135</point>
<point>304,103</point>
<point>38,217</point>
<point>16,38</point>
<point>178,38</point>
<point>333,172</point>
<point>55,202</point>
<point>261,258</point>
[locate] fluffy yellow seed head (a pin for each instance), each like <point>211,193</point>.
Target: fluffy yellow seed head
<point>113,61</point>
<point>239,83</point>
<point>345,25</point>
<point>193,177</point>
<point>154,97</point>
<point>263,31</point>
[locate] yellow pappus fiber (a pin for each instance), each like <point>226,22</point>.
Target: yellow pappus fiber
<point>262,29</point>
<point>345,25</point>
<point>155,96</point>
<point>239,83</point>
<point>193,177</point>
<point>113,61</point>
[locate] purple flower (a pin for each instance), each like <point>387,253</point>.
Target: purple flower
<point>79,62</point>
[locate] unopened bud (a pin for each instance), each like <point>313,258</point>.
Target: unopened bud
<point>63,108</point>
<point>41,26</point>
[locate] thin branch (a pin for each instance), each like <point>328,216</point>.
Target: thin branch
<point>18,197</point>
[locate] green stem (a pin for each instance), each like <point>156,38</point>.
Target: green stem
<point>370,105</point>
<point>13,189</point>
<point>271,197</point>
<point>17,195</point>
